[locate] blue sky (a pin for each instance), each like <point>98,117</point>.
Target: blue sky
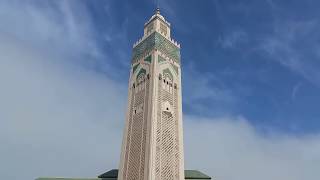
<point>256,59</point>
<point>251,85</point>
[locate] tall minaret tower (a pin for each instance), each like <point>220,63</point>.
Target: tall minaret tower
<point>152,146</point>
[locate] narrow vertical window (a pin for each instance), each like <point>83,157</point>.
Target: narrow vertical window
<point>163,29</point>
<point>150,28</point>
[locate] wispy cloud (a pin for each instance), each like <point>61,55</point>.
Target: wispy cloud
<point>295,90</point>
<point>55,24</point>
<point>289,42</point>
<point>205,91</point>
<point>233,39</point>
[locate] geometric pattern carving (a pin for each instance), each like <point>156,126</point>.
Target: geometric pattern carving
<point>142,71</point>
<point>175,68</point>
<point>134,165</point>
<point>158,133</point>
<point>168,72</point>
<point>165,46</point>
<point>150,27</point>
<point>161,59</point>
<point>167,147</point>
<point>167,143</point>
<point>163,29</point>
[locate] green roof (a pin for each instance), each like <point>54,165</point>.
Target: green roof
<point>189,174</point>
<point>195,174</point>
<point>110,174</point>
<point>61,178</point>
<point>113,175</point>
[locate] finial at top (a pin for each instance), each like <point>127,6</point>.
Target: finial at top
<point>158,10</point>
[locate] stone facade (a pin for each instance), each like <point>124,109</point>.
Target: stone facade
<point>152,146</point>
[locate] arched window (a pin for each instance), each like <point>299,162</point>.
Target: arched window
<point>140,81</point>
<point>167,82</point>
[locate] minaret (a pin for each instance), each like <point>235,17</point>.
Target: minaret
<point>152,147</point>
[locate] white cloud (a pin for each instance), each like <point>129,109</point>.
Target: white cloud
<point>57,115</point>
<point>231,149</point>
<point>59,118</point>
<point>55,120</point>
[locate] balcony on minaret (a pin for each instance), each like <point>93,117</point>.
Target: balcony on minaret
<point>157,23</point>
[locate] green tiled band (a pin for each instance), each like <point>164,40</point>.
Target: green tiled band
<point>156,41</point>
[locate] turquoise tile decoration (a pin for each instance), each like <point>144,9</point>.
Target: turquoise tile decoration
<point>135,67</point>
<point>142,71</point>
<point>156,41</point>
<point>148,59</point>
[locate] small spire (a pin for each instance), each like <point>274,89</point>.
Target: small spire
<point>158,7</point>
<point>158,10</point>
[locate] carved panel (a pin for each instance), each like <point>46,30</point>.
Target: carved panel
<point>167,143</point>
<point>135,162</point>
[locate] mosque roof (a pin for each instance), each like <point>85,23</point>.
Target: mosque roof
<point>113,174</point>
